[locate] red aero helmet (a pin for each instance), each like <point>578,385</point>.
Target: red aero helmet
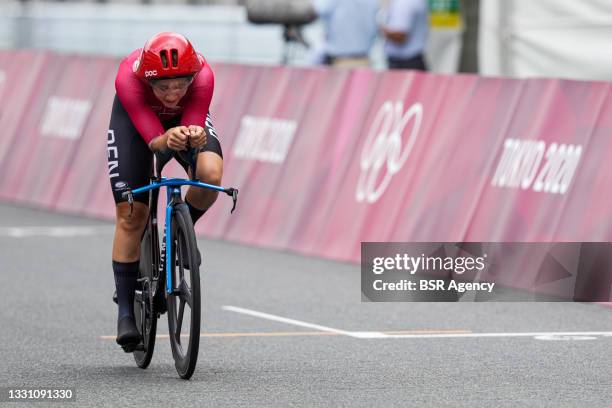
<point>167,55</point>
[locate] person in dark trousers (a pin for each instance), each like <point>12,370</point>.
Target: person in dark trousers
<point>405,29</point>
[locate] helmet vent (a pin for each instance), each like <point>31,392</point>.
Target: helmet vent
<point>174,53</point>
<point>164,58</point>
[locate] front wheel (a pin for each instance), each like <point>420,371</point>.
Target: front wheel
<point>184,302</point>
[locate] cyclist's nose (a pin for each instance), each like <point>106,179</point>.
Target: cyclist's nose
<point>172,98</point>
<point>177,93</point>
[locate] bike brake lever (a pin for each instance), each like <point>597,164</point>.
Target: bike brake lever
<point>233,192</point>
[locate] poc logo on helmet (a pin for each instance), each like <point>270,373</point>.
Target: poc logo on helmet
<point>383,146</point>
<point>150,73</point>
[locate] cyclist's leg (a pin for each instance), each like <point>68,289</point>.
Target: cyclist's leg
<point>209,170</point>
<point>129,163</point>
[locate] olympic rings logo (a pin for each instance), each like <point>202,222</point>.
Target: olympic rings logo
<point>383,147</point>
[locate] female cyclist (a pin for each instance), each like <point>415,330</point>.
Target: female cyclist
<point>163,95</point>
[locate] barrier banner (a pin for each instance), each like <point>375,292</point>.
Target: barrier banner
<point>347,126</point>
<point>393,108</point>
<point>385,163</point>
<point>265,141</point>
<point>326,159</point>
<point>20,77</point>
<point>304,188</point>
<point>49,138</point>
<point>16,182</point>
<point>86,188</point>
<point>586,214</point>
<point>526,190</point>
<point>455,156</point>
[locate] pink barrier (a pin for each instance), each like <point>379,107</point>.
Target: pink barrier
<point>307,171</point>
<point>367,204</point>
<point>454,154</point>
<point>278,104</point>
<point>325,159</point>
<point>85,188</point>
<point>28,143</point>
<point>340,133</point>
<point>589,201</point>
<point>51,131</point>
<point>522,214</point>
<point>20,78</point>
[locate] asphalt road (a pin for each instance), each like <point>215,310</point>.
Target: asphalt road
<point>58,322</point>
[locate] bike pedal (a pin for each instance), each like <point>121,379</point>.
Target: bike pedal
<point>130,348</point>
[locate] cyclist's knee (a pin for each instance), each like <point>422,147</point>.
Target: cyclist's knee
<point>210,168</point>
<point>135,221</point>
<point>210,174</point>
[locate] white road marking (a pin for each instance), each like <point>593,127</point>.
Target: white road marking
<point>288,321</point>
<point>380,335</point>
<point>57,232</point>
<point>537,335</point>
<point>565,338</point>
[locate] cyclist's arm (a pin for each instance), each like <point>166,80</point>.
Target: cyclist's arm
<point>198,101</point>
<point>131,93</point>
<point>397,37</point>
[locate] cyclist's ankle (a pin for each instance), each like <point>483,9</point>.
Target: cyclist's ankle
<point>126,274</point>
<point>194,212</point>
<point>126,315</point>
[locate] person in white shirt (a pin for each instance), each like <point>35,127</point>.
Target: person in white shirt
<point>405,30</point>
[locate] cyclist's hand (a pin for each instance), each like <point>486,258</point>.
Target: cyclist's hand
<point>178,137</point>
<point>197,136</point>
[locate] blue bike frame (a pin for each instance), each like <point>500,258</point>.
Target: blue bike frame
<point>173,189</point>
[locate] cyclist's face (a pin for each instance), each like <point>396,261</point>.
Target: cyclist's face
<point>170,91</point>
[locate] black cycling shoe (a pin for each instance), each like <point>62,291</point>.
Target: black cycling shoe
<point>128,336</point>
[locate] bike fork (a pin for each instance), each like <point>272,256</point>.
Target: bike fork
<point>173,196</point>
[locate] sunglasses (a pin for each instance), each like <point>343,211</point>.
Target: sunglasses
<point>171,84</point>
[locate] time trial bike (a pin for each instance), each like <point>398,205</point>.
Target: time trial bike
<point>169,276</point>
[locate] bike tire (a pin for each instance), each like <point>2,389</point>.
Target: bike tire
<point>187,283</point>
<point>144,310</point>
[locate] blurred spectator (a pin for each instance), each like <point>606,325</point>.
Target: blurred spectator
<point>405,29</point>
<point>350,31</point>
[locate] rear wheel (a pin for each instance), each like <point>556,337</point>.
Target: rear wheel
<point>144,311</point>
<point>184,302</point>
